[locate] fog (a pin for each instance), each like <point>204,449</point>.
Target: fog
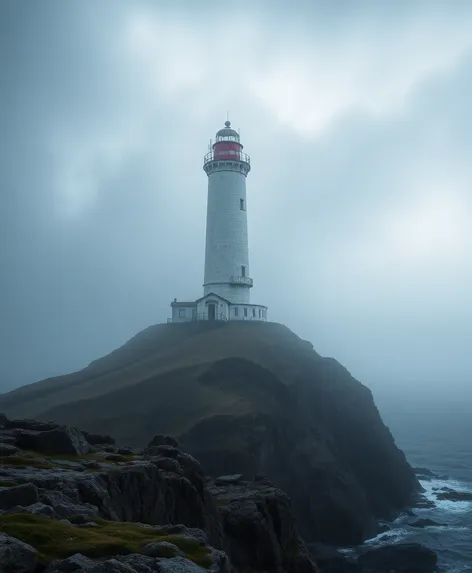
<point>357,120</point>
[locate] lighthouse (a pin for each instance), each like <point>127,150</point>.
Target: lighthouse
<point>227,252</point>
<point>227,280</point>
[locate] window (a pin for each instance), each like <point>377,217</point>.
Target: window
<point>236,311</point>
<point>241,204</point>
<point>254,312</point>
<point>245,311</point>
<point>243,271</point>
<point>259,313</point>
<point>181,312</point>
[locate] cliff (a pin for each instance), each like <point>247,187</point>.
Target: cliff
<point>250,398</point>
<point>66,505</point>
<point>75,502</point>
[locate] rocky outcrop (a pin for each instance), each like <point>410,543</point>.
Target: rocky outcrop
<point>140,513</point>
<point>259,526</point>
<point>164,488</point>
<point>16,556</point>
<point>24,495</point>
<point>64,440</point>
<point>453,495</point>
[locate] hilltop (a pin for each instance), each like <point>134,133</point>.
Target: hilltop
<point>243,397</point>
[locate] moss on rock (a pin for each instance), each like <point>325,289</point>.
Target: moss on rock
<point>57,540</point>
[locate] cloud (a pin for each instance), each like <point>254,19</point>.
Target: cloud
<point>357,122</point>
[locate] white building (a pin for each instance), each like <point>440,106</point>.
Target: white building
<point>227,280</point>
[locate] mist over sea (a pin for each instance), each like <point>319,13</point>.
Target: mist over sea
<point>435,434</point>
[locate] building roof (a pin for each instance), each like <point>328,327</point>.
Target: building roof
<point>214,295</point>
<point>175,303</point>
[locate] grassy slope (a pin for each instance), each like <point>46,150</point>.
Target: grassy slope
<point>167,357</point>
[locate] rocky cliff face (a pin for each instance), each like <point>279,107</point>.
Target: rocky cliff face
<point>324,444</point>
<point>248,398</point>
<point>68,506</point>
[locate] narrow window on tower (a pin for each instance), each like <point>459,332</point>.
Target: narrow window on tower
<point>241,204</point>
<point>243,271</point>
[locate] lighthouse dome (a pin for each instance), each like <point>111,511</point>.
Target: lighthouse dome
<point>227,133</point>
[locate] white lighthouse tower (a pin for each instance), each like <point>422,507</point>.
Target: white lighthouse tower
<point>227,281</point>
<point>227,252</point>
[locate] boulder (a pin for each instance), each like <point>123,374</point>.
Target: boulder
<point>34,509</point>
<point>16,556</point>
<point>163,440</point>
<point>69,505</point>
<point>24,495</point>
<point>75,563</point>
<point>65,440</point>
<point>452,495</point>
<point>161,549</point>
<point>71,509</point>
<point>400,558</point>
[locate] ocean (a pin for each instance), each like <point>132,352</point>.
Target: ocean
<point>437,437</point>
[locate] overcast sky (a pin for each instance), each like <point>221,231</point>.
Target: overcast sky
<point>357,117</point>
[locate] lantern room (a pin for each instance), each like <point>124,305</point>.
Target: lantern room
<point>227,146</point>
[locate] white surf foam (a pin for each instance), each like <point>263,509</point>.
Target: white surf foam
<point>445,505</point>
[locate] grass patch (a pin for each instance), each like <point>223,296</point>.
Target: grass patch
<point>26,461</point>
<point>55,540</point>
<point>89,457</point>
<point>8,483</point>
<point>28,458</point>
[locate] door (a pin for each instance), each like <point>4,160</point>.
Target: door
<point>211,312</point>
